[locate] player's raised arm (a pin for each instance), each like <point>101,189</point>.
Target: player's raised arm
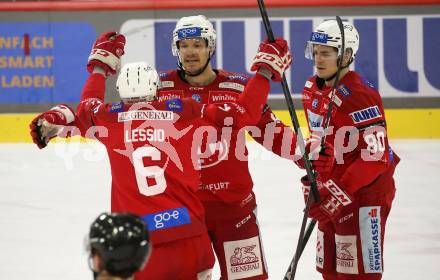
<point>270,62</point>
<point>103,61</point>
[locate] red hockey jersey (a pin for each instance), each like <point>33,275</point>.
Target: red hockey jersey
<point>152,149</point>
<point>357,127</point>
<point>145,143</point>
<point>225,174</point>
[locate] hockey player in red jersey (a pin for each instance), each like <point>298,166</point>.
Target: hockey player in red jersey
<point>150,144</point>
<point>226,184</point>
<point>357,194</point>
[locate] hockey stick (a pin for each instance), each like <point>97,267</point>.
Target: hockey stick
<point>300,140</point>
<point>291,108</point>
<point>290,274</point>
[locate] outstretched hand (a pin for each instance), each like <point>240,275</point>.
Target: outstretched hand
<point>106,53</point>
<point>274,57</point>
<point>46,126</point>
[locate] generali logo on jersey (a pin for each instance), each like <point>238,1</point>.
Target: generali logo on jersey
<point>243,258</point>
<point>346,254</point>
<point>137,115</point>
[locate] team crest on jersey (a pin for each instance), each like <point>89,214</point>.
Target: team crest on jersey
<point>366,114</point>
<point>214,154</point>
<point>234,86</point>
<point>196,97</point>
<point>117,107</point>
<point>344,90</point>
<point>315,103</point>
<point>174,105</point>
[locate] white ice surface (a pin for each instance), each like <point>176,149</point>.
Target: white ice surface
<point>48,198</point>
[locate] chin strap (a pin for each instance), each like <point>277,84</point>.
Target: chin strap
<point>331,77</point>
<point>343,67</point>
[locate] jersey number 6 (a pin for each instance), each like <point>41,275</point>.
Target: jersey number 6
<point>143,172</point>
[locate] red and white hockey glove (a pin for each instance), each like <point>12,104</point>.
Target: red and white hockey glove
<point>333,198</point>
<point>274,57</point>
<point>322,158</point>
<point>106,53</point>
<point>47,125</point>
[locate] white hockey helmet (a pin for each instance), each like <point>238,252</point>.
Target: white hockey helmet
<point>137,82</point>
<point>194,27</point>
<point>328,34</point>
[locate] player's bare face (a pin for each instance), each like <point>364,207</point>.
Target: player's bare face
<point>325,58</point>
<point>194,54</point>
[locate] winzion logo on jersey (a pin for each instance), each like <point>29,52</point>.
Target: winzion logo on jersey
<point>145,115</point>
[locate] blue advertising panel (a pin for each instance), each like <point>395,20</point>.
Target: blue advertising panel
<point>397,54</point>
<point>43,62</point>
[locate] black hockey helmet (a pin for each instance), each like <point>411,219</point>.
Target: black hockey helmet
<point>122,242</point>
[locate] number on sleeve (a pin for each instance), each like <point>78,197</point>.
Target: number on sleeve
<point>375,142</point>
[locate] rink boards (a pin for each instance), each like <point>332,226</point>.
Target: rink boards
<point>402,124</point>
<point>40,66</point>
